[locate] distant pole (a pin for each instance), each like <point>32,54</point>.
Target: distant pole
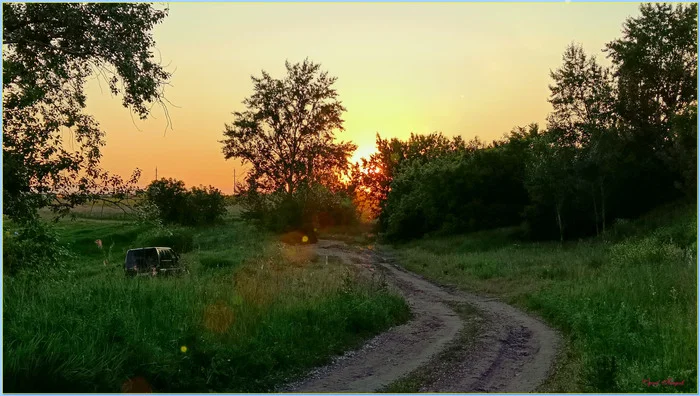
<point>156,173</point>
<point>234,181</point>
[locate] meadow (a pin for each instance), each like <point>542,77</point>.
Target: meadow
<point>625,302</point>
<point>251,314</point>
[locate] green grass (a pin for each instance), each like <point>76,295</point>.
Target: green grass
<point>626,303</point>
<point>251,315</point>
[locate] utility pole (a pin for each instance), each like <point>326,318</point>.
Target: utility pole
<point>156,173</point>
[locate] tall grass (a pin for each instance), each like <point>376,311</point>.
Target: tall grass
<point>268,316</point>
<point>627,303</point>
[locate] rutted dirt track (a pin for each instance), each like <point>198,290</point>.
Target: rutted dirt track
<point>513,352</point>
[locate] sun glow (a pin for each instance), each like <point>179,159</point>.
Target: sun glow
<point>403,67</point>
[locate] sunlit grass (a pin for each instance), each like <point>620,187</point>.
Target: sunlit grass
<point>269,314</point>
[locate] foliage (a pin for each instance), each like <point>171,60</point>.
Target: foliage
<point>175,204</point>
<point>657,77</point>
<point>371,179</point>
<point>287,131</point>
<point>287,134</point>
<point>170,197</point>
<point>618,142</point>
<point>206,205</point>
<point>460,191</point>
<point>550,181</point>
<point>309,208</point>
<point>148,213</point>
<point>656,69</point>
<point>32,246</point>
<point>51,50</point>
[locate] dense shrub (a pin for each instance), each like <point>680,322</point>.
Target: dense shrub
<point>457,192</point>
<point>170,197</point>
<point>199,206</point>
<point>32,246</point>
<point>205,205</point>
<point>305,211</point>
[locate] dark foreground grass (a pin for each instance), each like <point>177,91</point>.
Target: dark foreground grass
<point>626,303</point>
<point>251,315</point>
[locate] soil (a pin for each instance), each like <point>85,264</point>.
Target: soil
<point>510,352</point>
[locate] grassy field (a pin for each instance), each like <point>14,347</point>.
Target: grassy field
<point>626,303</point>
<point>250,315</point>
<point>126,210</point>
<point>102,210</point>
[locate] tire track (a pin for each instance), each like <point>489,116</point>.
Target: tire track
<point>512,353</point>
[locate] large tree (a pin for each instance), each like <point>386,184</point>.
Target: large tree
<point>583,114</point>
<point>581,95</point>
<point>656,63</point>
<point>51,147</point>
<point>656,70</point>
<point>287,132</point>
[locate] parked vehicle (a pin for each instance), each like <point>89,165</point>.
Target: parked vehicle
<point>153,261</point>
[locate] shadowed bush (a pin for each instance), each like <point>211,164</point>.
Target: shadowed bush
<point>33,246</point>
<point>199,206</point>
<point>306,211</point>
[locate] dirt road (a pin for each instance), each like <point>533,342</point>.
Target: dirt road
<point>511,352</point>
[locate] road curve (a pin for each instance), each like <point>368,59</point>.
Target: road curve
<point>513,351</point>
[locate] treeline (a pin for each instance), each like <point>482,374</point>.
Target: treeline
<point>618,142</point>
<point>168,201</point>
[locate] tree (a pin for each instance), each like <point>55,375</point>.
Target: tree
<point>49,51</point>
<point>170,197</point>
<point>657,67</point>
<point>581,96</point>
<point>655,64</point>
<point>175,205</point>
<point>287,132</point>
<point>373,177</point>
<point>550,181</point>
<point>583,104</point>
<point>205,205</point>
<point>444,185</point>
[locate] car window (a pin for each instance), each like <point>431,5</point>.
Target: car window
<point>166,255</point>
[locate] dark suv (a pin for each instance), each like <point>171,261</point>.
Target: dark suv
<point>152,261</point>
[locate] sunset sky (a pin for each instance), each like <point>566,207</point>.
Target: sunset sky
<point>460,68</point>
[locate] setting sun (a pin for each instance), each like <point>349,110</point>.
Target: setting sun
<point>469,69</point>
<point>441,197</point>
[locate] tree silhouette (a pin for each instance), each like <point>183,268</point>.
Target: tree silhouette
<point>287,132</point>
<point>51,49</point>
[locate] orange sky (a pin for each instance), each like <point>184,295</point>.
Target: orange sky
<point>470,69</point>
